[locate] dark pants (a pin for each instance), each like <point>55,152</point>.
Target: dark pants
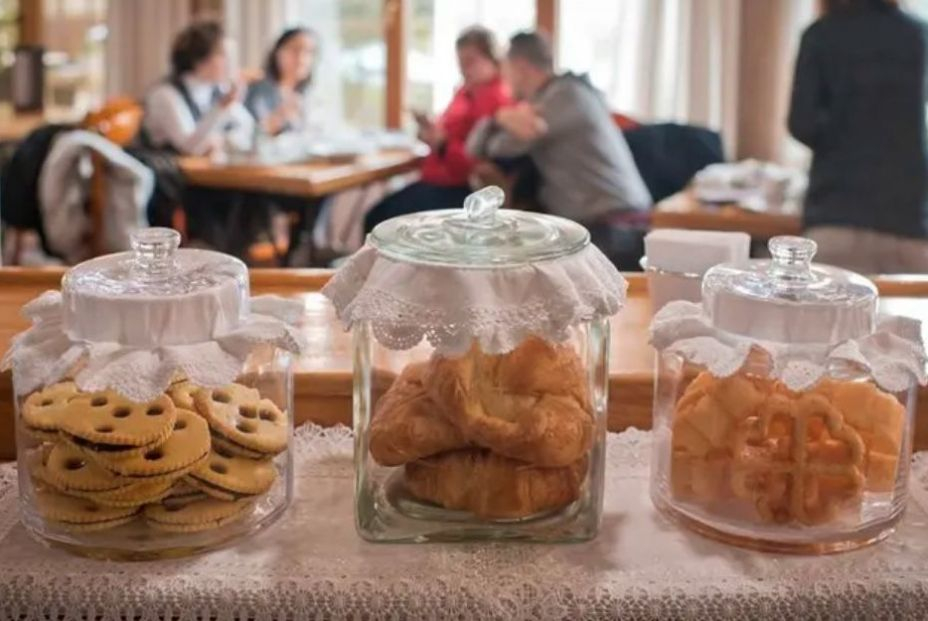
<point>419,196</point>
<point>621,241</point>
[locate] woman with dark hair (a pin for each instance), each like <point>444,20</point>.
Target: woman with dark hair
<point>197,107</point>
<point>859,103</point>
<point>279,102</point>
<point>446,170</point>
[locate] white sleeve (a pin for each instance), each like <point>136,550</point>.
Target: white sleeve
<point>169,122</point>
<point>243,125</point>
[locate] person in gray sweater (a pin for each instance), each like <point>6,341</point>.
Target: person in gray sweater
<point>859,103</point>
<point>564,125</point>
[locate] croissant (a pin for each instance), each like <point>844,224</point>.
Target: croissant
<point>406,425</point>
<point>530,404</point>
<point>491,486</point>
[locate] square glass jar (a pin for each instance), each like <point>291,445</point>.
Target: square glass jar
<point>481,357</point>
<point>784,406</point>
<point>154,405</point>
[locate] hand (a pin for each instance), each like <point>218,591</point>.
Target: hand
<point>433,135</point>
<point>522,121</point>
<point>232,96</point>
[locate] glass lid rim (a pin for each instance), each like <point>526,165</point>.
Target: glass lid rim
<point>124,258</point>
<point>383,246</point>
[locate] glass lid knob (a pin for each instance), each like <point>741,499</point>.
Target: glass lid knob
<point>792,260</point>
<point>153,253</point>
<point>481,206</point>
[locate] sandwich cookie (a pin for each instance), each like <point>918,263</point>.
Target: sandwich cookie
<point>42,410</point>
<point>187,446</point>
<point>196,516</point>
<point>107,422</point>
<point>231,477</point>
<point>79,514</point>
<point>242,417</point>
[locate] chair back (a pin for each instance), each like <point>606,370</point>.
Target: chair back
<point>119,121</point>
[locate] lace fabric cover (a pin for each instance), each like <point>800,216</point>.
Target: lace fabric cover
<point>451,306</point>
<point>893,355</point>
<point>312,565</point>
<point>44,353</point>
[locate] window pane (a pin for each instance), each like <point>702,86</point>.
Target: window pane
<point>431,64</point>
<point>9,31</point>
<point>75,35</point>
<point>349,83</point>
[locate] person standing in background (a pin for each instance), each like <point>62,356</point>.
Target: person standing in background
<point>564,125</point>
<point>858,103</point>
<point>446,170</point>
<point>198,106</point>
<point>279,102</point>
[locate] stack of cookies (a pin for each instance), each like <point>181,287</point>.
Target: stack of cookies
<point>792,457</point>
<point>499,436</point>
<point>189,460</point>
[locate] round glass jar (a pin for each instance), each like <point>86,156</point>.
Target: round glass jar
<point>776,424</point>
<point>481,343</point>
<point>154,402</point>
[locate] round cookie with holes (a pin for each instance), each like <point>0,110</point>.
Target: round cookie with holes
<point>240,415</point>
<point>69,469</point>
<point>227,446</point>
<point>187,446</point>
<point>196,516</point>
<point>230,477</point>
<point>106,421</point>
<point>182,393</point>
<point>133,495</point>
<point>80,514</point>
<point>42,410</point>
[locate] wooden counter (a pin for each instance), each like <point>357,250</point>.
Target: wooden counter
<point>684,211</point>
<point>323,383</point>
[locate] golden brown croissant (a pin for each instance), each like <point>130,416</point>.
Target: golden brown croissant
<point>530,404</point>
<point>491,486</point>
<point>406,425</point>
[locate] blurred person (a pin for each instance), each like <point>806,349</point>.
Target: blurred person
<point>198,106</point>
<point>859,103</point>
<point>279,102</point>
<point>564,125</point>
<point>446,170</point>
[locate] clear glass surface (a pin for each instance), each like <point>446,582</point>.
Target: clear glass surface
<point>155,267</point>
<point>749,462</point>
<point>479,235</point>
<point>788,298</point>
<point>268,370</point>
<point>439,463</point>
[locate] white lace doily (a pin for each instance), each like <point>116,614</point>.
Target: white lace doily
<point>893,355</point>
<point>312,565</point>
<point>44,353</point>
<point>452,306</point>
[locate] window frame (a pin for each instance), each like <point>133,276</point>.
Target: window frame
<point>395,25</point>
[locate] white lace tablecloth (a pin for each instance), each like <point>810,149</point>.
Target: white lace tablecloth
<point>312,565</point>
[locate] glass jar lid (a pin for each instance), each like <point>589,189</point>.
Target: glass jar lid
<point>156,294</point>
<point>788,298</point>
<point>479,235</point>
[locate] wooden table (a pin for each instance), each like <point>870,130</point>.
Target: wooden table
<point>309,180</point>
<point>16,126</point>
<point>323,376</point>
<point>684,211</point>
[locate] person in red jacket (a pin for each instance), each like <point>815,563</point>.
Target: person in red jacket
<point>446,170</point>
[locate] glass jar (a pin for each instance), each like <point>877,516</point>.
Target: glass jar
<point>481,343</point>
<point>154,402</point>
<point>783,410</point>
